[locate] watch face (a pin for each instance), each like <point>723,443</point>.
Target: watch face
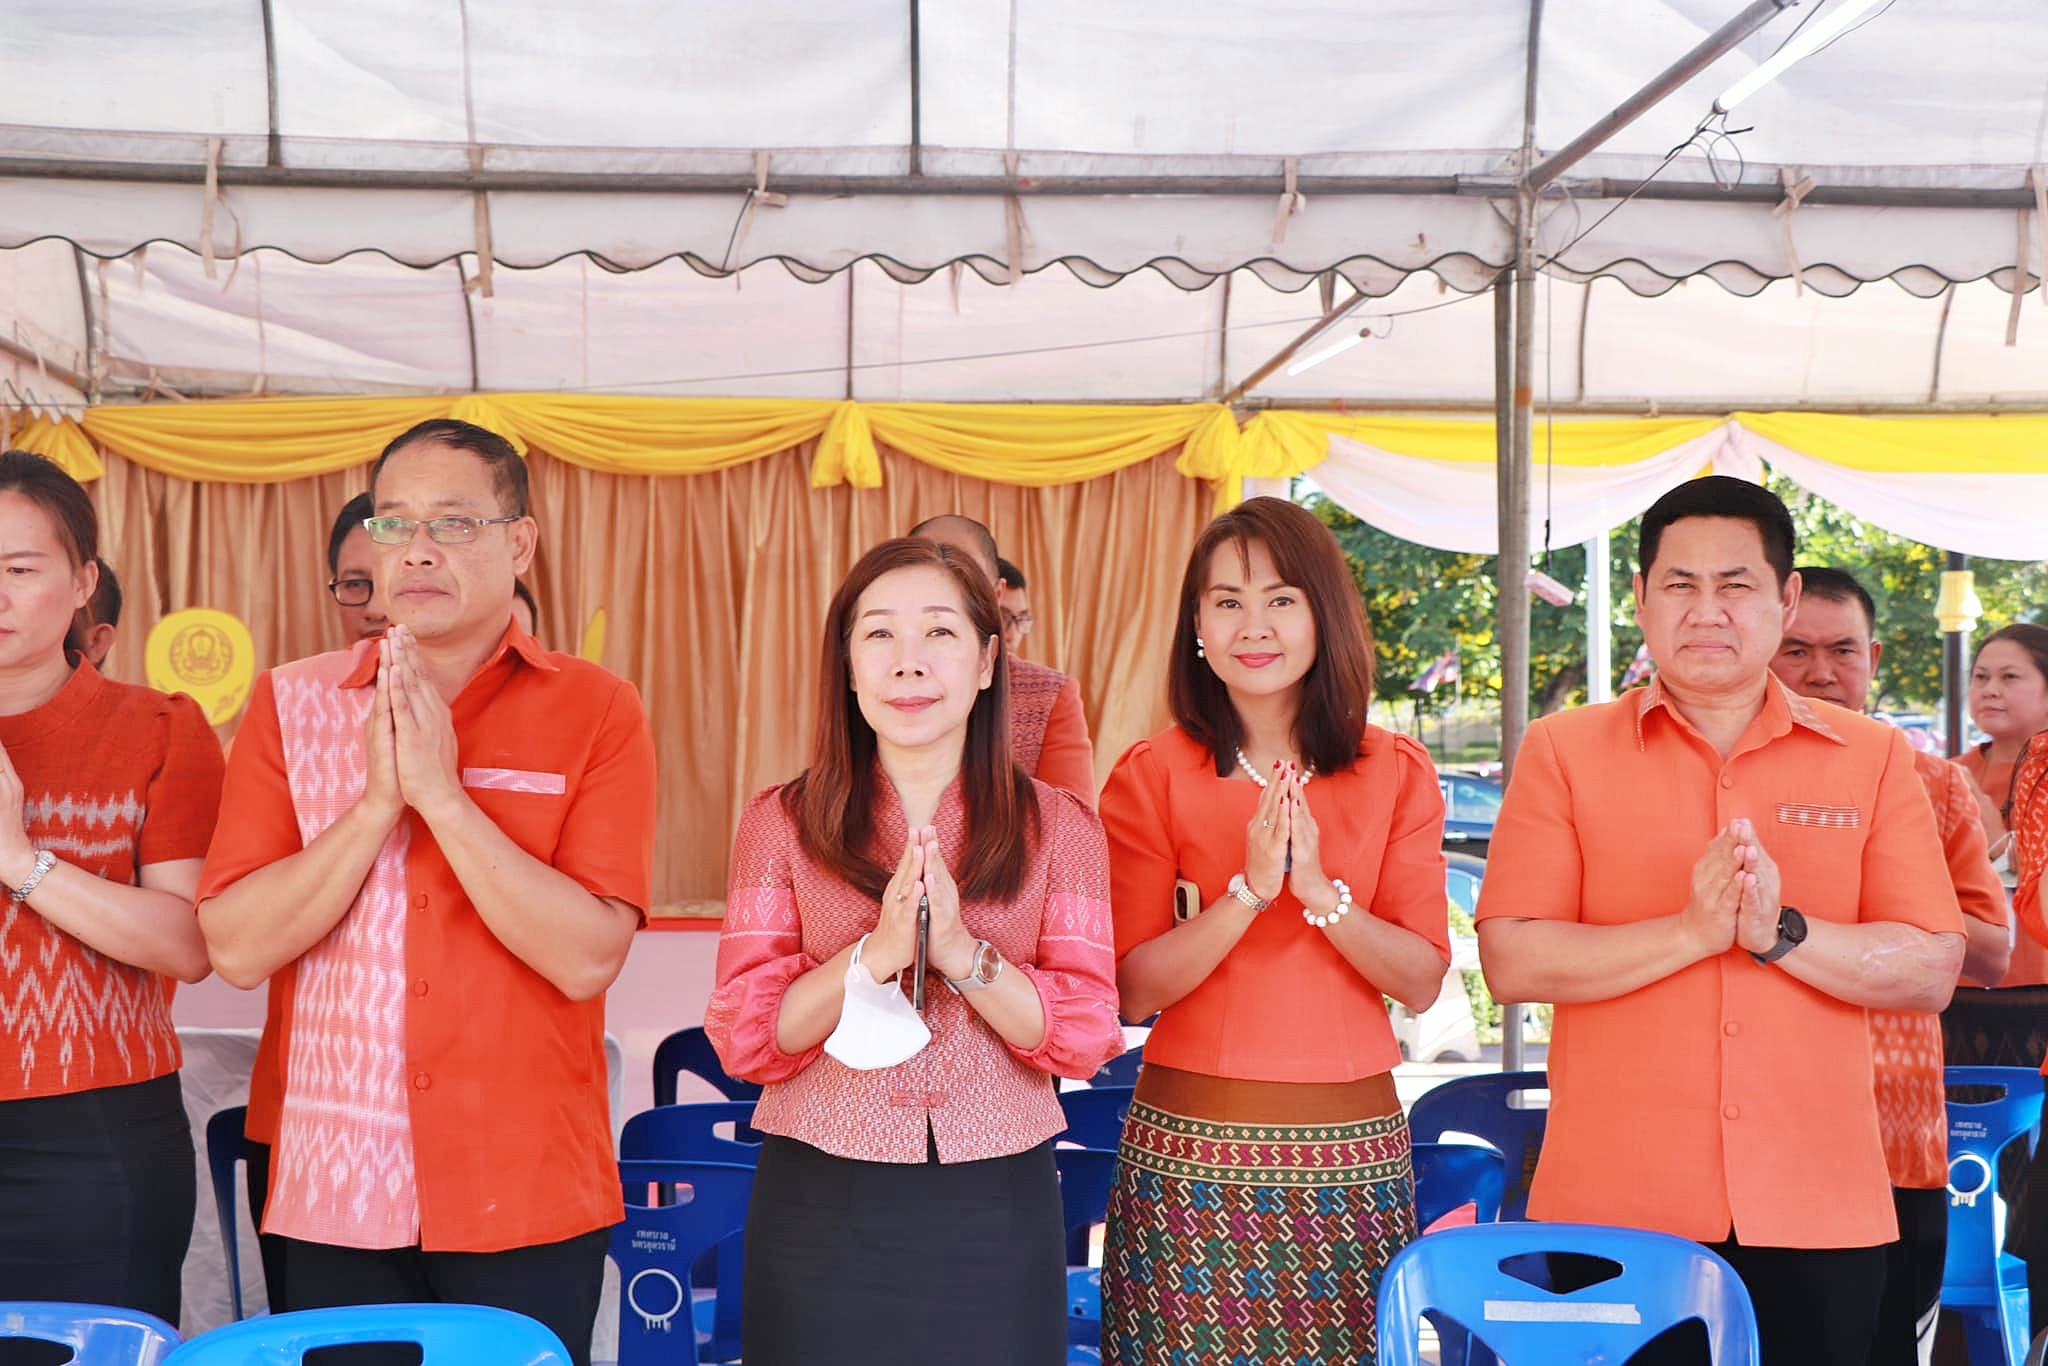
<point>987,965</point>
<point>1791,924</point>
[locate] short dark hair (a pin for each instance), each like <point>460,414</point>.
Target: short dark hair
<point>1337,690</point>
<point>508,468</point>
<point>103,608</point>
<point>1837,585</point>
<point>1721,495</point>
<point>348,519</point>
<point>1010,574</point>
<point>983,538</point>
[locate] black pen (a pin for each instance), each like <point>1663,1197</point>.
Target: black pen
<point>924,938</point>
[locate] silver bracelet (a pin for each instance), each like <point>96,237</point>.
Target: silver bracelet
<point>45,861</point>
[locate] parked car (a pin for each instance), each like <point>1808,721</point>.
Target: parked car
<point>1471,806</point>
<point>1447,1028</point>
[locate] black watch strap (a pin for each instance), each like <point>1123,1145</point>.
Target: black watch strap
<point>1791,934</point>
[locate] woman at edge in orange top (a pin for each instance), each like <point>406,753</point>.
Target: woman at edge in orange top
<point>1314,845</point>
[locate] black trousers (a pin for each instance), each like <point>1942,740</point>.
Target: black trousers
<point>269,1244</point>
<point>1912,1279</point>
<point>1814,1306</point>
<point>97,1190</point>
<point>556,1283</point>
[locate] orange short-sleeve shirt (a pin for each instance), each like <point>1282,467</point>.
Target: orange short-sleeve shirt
<point>1729,1094</point>
<point>511,1124</point>
<point>1284,1004</point>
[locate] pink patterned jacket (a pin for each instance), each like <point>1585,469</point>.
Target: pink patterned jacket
<point>980,1097</point>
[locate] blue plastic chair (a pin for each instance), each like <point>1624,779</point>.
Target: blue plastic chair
<point>689,1133</point>
<point>1479,1106</point>
<point>226,1146</point>
<point>447,1335</point>
<point>1458,1275</point>
<point>1982,1282</point>
<point>1087,1175</point>
<point>1451,1175</point>
<point>689,1050</point>
<point>657,1246</point>
<point>1095,1117</point>
<point>97,1334</point>
<point>1121,1070</point>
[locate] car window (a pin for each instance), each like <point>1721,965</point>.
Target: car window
<point>1472,801</point>
<point>1463,890</point>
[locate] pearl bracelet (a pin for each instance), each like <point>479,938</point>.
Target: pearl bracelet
<point>1343,907</point>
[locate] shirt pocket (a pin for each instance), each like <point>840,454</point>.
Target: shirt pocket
<point>1818,847</point>
<point>529,805</point>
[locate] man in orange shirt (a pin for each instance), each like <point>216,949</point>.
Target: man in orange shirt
<point>1831,653</point>
<point>1713,878</point>
<point>1048,730</point>
<point>442,845</point>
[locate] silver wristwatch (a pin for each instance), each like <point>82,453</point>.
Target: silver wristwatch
<point>1242,890</point>
<point>45,861</point>
<point>988,965</point>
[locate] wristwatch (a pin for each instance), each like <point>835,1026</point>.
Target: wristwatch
<point>1791,934</point>
<point>1242,890</point>
<point>987,966</point>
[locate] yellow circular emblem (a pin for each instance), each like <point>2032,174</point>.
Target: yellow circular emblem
<point>206,654</point>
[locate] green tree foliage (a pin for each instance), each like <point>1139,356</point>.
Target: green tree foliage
<point>1423,602</point>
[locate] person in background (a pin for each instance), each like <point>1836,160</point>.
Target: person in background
<point>906,1209</point>
<point>100,616</point>
<point>1277,870</point>
<point>1715,880</point>
<point>1048,730</point>
<point>351,567</point>
<point>443,845</point>
<point>108,794</point>
<point>1014,601</point>
<point>1830,654</point>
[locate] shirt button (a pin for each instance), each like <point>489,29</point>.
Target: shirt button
<point>420,902</point>
<point>1727,780</point>
<point>1731,1029</point>
<point>935,1099</point>
<point>421,1081</point>
<point>419,988</point>
<point>1731,1112</point>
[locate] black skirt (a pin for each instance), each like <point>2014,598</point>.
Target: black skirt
<point>850,1263</point>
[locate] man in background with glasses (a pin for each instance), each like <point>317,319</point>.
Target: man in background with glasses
<point>442,845</point>
<point>352,572</point>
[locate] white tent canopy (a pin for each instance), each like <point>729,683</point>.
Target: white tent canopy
<point>361,154</point>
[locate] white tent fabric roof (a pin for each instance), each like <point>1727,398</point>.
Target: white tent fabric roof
<point>1147,145</point>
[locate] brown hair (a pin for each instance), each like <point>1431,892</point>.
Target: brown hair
<point>833,801</point>
<point>1337,689</point>
<point>69,508</point>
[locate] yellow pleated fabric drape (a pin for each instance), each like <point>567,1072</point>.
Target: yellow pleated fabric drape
<point>1912,445</point>
<point>1282,444</point>
<point>714,589</point>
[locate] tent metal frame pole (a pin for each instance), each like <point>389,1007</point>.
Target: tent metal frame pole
<point>1708,51</point>
<point>493,180</point>
<point>1955,672</point>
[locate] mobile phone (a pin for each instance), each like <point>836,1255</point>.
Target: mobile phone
<point>1187,901</point>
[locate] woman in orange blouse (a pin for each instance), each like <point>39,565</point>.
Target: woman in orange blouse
<point>107,798</point>
<point>906,1207</point>
<point>1277,866</point>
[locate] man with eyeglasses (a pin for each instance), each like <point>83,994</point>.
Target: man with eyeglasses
<point>1014,603</point>
<point>352,573</point>
<point>443,843</point>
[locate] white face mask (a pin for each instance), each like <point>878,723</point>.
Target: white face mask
<point>878,1027</point>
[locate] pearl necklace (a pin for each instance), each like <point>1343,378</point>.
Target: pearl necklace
<point>1258,777</point>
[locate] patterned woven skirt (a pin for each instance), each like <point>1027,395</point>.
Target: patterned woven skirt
<point>1252,1243</point>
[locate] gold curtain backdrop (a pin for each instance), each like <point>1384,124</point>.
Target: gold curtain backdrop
<point>714,586</point>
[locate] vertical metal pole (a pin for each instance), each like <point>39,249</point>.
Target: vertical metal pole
<point>1599,621</point>
<point>1955,673</point>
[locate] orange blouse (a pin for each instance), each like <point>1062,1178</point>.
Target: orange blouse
<point>1284,1005</point>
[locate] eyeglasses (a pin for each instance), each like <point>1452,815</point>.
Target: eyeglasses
<point>352,592</point>
<point>444,530</point>
<point>1019,622</point>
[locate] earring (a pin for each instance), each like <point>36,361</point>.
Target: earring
<point>1201,650</point>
